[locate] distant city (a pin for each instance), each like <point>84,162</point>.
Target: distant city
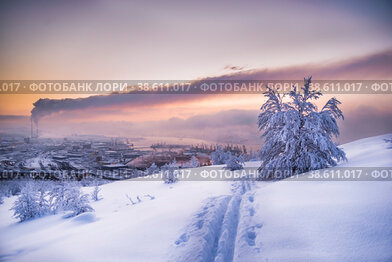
<point>104,157</point>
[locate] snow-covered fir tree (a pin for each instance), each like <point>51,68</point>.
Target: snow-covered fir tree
<point>234,162</point>
<point>219,156</point>
<point>33,200</point>
<point>170,172</point>
<point>192,163</point>
<point>298,137</point>
<point>58,196</point>
<point>27,205</point>
<point>152,169</point>
<point>39,198</point>
<point>80,203</point>
<point>68,196</point>
<point>43,188</point>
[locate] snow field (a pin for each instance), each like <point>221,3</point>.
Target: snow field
<point>220,221</point>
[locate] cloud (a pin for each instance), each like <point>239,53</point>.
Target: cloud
<point>369,67</point>
<point>375,66</point>
<point>234,68</point>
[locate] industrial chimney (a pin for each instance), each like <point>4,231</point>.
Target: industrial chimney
<point>32,128</point>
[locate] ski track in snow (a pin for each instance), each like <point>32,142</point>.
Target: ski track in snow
<point>220,231</point>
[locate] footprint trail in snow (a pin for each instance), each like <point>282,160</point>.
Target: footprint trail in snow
<point>220,228</point>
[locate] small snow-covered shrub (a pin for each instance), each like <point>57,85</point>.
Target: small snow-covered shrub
<point>170,172</point>
<point>80,204</point>
<point>235,162</point>
<point>192,163</point>
<point>58,197</point>
<point>39,198</point>
<point>43,188</point>
<point>95,193</point>
<point>68,197</point>
<point>31,203</point>
<point>152,169</point>
<point>219,156</point>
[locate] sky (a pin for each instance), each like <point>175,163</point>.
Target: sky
<point>137,40</point>
<point>120,39</point>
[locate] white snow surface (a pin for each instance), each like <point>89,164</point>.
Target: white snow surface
<point>220,221</point>
<point>326,220</point>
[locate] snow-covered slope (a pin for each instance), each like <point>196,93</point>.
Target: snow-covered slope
<point>327,220</point>
<point>369,152</point>
<point>116,231</point>
<point>220,221</point>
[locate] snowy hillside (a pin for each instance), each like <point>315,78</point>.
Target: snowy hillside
<point>220,221</point>
<point>327,221</point>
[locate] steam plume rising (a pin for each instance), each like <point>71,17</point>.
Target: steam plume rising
<point>44,106</point>
<point>376,66</point>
